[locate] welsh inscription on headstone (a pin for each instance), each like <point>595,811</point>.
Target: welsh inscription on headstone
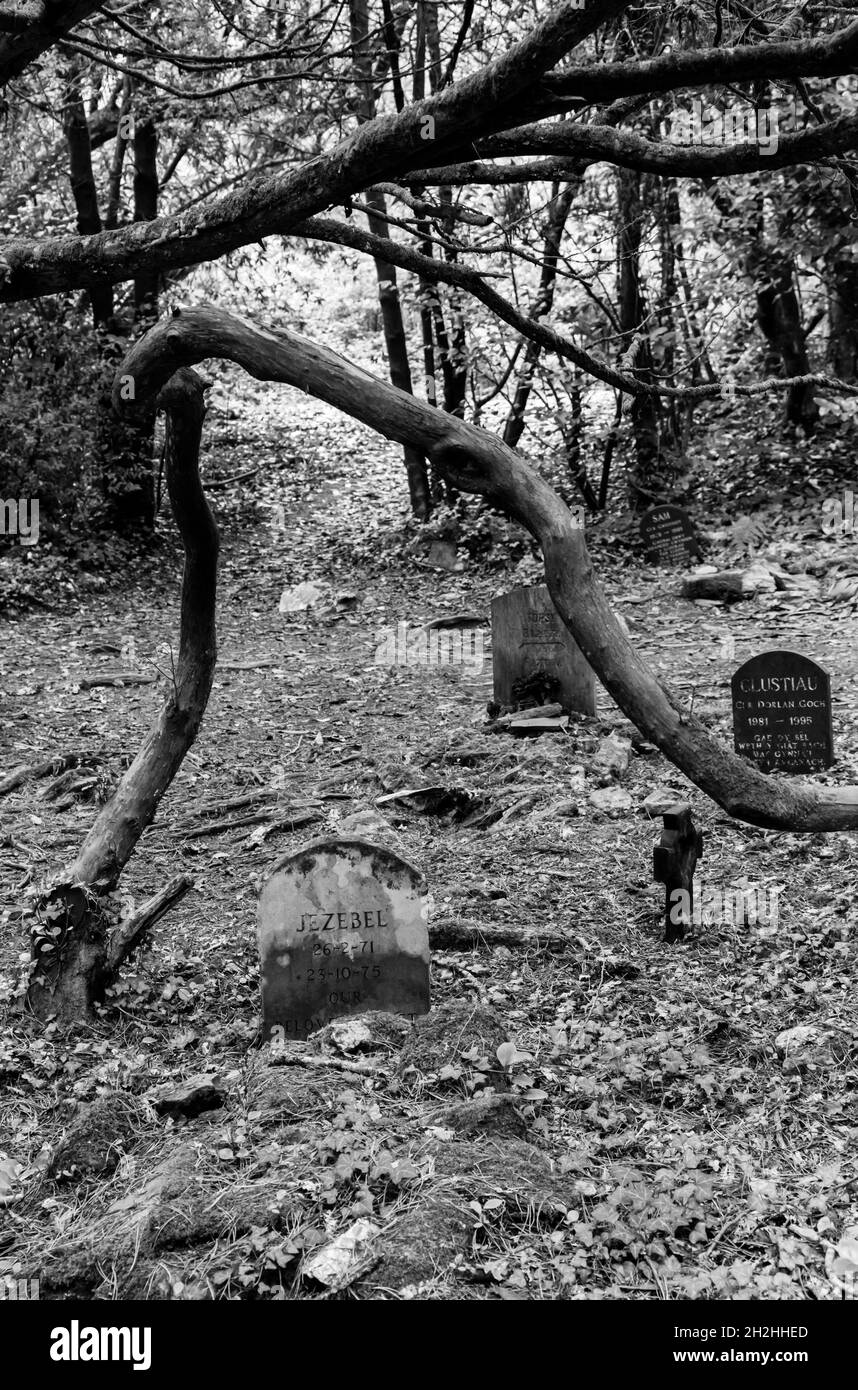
<point>669,535</point>
<point>342,930</point>
<point>782,713</point>
<point>534,657</point>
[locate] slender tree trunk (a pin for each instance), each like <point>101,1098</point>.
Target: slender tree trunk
<point>83,184</point>
<point>125,450</point>
<point>645,479</point>
<point>771,270</point>
<point>117,164</point>
<point>146,286</point>
<point>73,949</point>
<point>388,290</point>
<point>555,223</point>
<point>779,317</point>
<point>842,276</point>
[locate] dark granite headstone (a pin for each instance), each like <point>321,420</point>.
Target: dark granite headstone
<point>669,535</point>
<point>674,859</point>
<point>534,657</point>
<point>782,713</point>
<point>342,930</point>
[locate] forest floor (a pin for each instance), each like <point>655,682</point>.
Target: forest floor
<point>674,1122</point>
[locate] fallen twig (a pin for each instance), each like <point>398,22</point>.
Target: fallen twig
<point>235,803</point>
<point>212,484</point>
<point>281,1058</point>
<point>23,773</point>
<point>113,678</point>
<point>253,818</point>
<point>130,932</point>
<point>464,936</point>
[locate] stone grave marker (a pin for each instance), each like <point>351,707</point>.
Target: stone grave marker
<point>674,859</point>
<point>534,657</point>
<point>669,535</point>
<point>782,713</point>
<point>342,930</point>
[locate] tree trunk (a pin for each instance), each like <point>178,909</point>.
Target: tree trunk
<point>779,317</point>
<point>555,222</point>
<point>388,289</point>
<point>645,480</point>
<point>83,184</point>
<point>843,314</point>
<point>73,952</point>
<point>772,273</point>
<point>145,210</point>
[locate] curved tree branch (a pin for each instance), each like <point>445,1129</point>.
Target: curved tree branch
<point>486,101</point>
<point>476,461</point>
<point>632,151</point>
<point>447,272</point>
<point>823,57</point>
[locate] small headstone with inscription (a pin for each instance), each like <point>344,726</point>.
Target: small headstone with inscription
<point>535,659</point>
<point>342,930</point>
<point>782,713</point>
<point>669,535</point>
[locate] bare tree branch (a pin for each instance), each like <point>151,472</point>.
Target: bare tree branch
<point>823,57</point>
<point>379,148</point>
<point>451,273</point>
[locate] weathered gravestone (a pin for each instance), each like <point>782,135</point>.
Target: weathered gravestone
<point>342,930</point>
<point>669,535</point>
<point>782,713</point>
<point>534,657</point>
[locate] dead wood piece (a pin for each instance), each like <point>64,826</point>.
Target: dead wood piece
<point>456,620</point>
<point>462,935</point>
<point>235,803</point>
<point>113,678</point>
<point>248,665</point>
<point>729,584</point>
<point>70,783</point>
<point>212,484</point>
<point>553,711</point>
<point>279,1057</point>
<point>23,773</point>
<point>531,728</point>
<point>131,931</point>
<point>253,818</point>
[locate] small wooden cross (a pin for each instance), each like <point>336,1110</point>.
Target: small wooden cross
<point>673,861</point>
